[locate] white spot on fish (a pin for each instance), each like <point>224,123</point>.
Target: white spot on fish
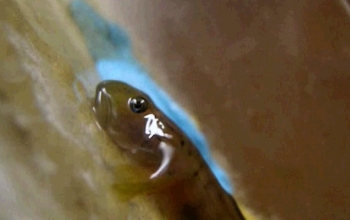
<point>155,127</point>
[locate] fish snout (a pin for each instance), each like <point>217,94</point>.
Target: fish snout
<point>102,108</point>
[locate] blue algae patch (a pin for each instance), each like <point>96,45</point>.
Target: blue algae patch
<point>111,50</point>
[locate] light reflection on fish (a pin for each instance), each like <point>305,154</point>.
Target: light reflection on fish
<point>166,161</point>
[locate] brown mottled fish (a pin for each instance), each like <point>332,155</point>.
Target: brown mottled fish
<point>166,164</point>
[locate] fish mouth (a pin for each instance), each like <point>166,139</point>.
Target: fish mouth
<point>102,108</point>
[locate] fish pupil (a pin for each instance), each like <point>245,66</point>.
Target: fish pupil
<point>138,104</point>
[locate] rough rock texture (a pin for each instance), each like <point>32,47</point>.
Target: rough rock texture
<point>268,80</point>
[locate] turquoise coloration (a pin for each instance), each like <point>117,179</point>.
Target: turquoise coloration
<point>111,50</point>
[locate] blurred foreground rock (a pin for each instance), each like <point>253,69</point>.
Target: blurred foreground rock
<point>50,165</point>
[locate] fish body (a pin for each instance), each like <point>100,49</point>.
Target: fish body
<point>165,163</point>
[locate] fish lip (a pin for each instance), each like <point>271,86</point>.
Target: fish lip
<point>102,108</point>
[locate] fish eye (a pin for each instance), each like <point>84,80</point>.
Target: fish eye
<point>138,104</point>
